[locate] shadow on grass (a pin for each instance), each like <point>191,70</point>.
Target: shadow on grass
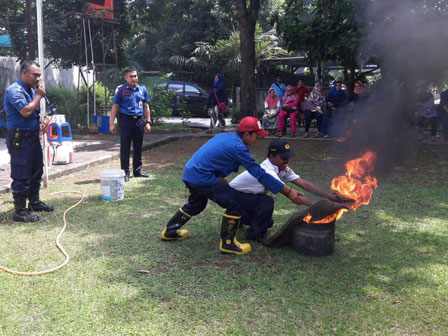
<point>381,257</point>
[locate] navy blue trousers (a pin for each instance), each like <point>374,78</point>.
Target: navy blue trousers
<point>309,116</point>
<point>26,163</point>
<point>256,210</point>
<point>131,130</point>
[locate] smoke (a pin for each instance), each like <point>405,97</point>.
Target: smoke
<point>410,39</point>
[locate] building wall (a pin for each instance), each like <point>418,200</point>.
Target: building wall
<point>10,72</point>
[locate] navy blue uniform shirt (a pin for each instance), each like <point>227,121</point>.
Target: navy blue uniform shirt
<point>222,155</point>
<point>131,100</point>
<point>17,96</point>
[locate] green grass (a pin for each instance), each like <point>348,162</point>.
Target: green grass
<point>388,275</point>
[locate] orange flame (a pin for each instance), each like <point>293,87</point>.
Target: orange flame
<point>356,184</point>
<point>348,134</point>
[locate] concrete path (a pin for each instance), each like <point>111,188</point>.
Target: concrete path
<point>95,149</point>
<point>89,151</point>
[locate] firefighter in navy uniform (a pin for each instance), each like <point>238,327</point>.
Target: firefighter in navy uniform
<point>21,101</point>
<point>132,101</point>
<point>205,177</point>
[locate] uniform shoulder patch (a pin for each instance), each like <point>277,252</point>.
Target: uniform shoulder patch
<point>118,88</point>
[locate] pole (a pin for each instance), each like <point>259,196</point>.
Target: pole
<point>40,52</point>
<point>87,71</point>
<point>93,68</point>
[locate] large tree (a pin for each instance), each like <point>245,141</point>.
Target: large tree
<point>247,12</point>
<point>62,29</point>
<point>323,30</point>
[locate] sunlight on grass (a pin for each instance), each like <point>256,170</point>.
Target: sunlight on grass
<point>388,275</point>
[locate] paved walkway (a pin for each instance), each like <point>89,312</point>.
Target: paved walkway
<point>95,149</point>
<point>91,150</point>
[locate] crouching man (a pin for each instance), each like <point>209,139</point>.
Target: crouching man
<point>205,177</point>
<point>276,165</point>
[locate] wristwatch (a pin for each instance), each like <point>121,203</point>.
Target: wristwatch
<point>148,122</point>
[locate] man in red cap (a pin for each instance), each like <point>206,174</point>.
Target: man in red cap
<point>205,177</point>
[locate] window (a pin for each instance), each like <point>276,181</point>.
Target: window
<point>191,89</point>
<point>176,87</point>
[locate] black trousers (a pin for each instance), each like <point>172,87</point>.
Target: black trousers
<point>256,210</point>
<point>26,162</point>
<point>433,122</point>
<point>309,116</point>
<point>131,130</point>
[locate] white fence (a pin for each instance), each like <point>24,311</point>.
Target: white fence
<point>10,72</point>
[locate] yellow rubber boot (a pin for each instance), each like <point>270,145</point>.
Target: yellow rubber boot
<point>229,243</point>
<point>172,230</point>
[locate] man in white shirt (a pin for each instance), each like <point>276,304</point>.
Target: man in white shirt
<point>276,164</point>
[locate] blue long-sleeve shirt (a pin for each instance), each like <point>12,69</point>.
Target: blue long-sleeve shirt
<point>17,96</point>
<point>222,155</point>
<point>219,92</point>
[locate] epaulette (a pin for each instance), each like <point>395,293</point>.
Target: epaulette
<point>118,88</point>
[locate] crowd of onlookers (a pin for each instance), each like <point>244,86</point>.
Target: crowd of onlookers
<point>332,111</point>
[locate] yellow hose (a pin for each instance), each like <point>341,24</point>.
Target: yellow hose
<point>67,258</point>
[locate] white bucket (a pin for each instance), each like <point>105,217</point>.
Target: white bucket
<point>62,154</point>
<point>112,184</point>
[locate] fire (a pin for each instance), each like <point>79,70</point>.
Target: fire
<point>348,134</point>
<point>356,184</point>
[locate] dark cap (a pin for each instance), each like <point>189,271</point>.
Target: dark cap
<point>280,147</point>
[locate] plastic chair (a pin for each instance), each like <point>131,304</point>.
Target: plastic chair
<point>58,136</point>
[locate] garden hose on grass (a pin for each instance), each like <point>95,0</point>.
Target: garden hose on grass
<point>59,246</point>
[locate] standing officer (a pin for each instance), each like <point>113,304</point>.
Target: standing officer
<point>21,102</point>
<point>133,100</point>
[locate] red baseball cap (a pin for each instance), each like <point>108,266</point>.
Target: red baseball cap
<point>249,124</point>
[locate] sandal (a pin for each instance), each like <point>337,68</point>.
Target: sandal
<point>306,135</point>
<point>317,135</point>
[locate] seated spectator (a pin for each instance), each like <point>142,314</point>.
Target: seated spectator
<point>314,109</point>
<point>427,112</point>
<point>279,87</point>
<point>357,91</point>
<point>290,108</point>
<point>336,99</point>
<point>302,92</point>
<point>272,107</point>
<point>443,114</point>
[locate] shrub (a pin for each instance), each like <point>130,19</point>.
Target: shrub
<point>74,105</point>
<point>68,104</point>
<point>161,99</point>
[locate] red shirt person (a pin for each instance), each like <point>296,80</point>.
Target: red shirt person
<point>301,91</point>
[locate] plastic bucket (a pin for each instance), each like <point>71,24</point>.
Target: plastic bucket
<point>112,184</point>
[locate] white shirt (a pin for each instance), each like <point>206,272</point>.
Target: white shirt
<point>246,183</point>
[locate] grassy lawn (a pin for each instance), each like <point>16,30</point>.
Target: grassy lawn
<point>388,275</point>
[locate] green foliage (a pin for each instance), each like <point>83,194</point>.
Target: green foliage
<point>161,99</point>
<point>184,113</point>
<point>68,104</point>
<point>62,30</point>
<point>74,106</point>
<point>324,30</point>
<point>224,56</point>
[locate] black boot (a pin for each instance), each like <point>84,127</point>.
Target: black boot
<point>36,204</point>
<point>229,226</point>
<point>171,231</point>
<point>22,214</point>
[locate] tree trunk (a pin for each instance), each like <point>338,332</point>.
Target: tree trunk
<point>29,28</point>
<point>247,19</point>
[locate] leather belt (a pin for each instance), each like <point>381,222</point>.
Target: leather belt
<point>22,133</point>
